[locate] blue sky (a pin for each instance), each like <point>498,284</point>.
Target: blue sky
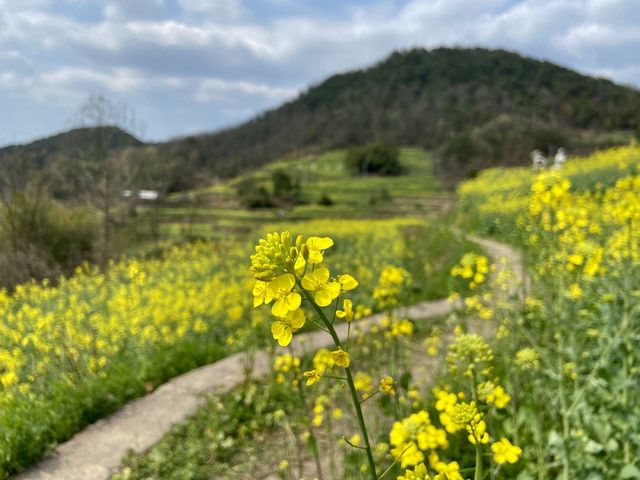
<point>187,66</point>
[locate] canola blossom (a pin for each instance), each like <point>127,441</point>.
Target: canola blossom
<point>505,452</point>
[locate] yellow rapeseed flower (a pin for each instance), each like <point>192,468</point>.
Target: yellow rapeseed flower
<point>286,300</point>
<point>347,282</point>
<point>340,357</point>
<point>386,385</point>
<point>282,328</point>
<point>325,291</point>
<point>347,310</point>
<point>505,452</point>
<point>313,376</point>
<point>418,473</point>
<point>316,247</point>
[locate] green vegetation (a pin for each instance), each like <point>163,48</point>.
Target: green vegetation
<point>425,98</point>
<point>373,159</point>
<point>323,188</point>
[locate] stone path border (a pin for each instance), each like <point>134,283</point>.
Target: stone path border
<point>96,452</point>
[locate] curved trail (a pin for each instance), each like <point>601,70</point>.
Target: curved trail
<point>96,452</point>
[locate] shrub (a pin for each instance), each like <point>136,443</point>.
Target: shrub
<point>378,159</point>
<point>251,195</point>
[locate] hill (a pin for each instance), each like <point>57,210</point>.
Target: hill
<point>477,107</point>
<point>79,139</point>
<point>66,159</point>
<point>428,98</point>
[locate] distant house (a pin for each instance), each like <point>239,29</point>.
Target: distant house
<point>560,158</point>
<point>538,159</point>
<point>146,195</point>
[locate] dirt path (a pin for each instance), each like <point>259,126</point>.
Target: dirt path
<point>96,452</point>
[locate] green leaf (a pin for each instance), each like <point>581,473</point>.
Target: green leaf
<point>630,471</point>
<point>593,447</point>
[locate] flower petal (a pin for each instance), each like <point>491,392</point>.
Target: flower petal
<point>322,274</point>
<point>296,319</point>
<point>293,301</point>
<point>323,298</point>
<point>279,308</point>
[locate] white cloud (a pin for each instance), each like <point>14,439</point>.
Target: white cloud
<point>215,10</point>
<point>217,52</point>
<point>215,89</point>
<point>119,80</point>
<point>125,10</point>
<point>592,34</point>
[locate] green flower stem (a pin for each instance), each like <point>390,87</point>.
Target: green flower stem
<point>370,396</point>
<point>352,387</point>
<point>478,473</point>
<point>312,438</point>
<point>558,308</point>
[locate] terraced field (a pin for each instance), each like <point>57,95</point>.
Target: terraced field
<point>216,212</point>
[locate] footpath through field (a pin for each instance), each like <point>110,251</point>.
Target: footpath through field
<point>96,452</point>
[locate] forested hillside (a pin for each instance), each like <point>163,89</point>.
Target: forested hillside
<point>427,98</point>
<point>477,107</point>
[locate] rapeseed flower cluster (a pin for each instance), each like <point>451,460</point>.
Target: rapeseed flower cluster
<point>284,270</point>
<point>472,267</point>
<point>469,355</point>
<point>286,365</point>
<point>391,283</point>
<point>414,435</point>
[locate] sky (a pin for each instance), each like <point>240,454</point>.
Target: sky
<point>190,66</point>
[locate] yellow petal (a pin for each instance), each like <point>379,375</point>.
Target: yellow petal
<point>300,264</point>
<point>279,308</point>
<point>293,301</point>
<point>308,281</point>
<point>286,281</point>
<point>315,257</point>
<point>323,298</point>
<point>277,327</point>
<point>296,319</point>
<point>281,332</point>
<point>319,243</point>
<point>347,282</point>
<point>322,274</point>
<point>333,289</point>
<point>285,338</point>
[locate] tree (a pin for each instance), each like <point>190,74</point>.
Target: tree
<point>378,159</point>
<point>285,188</point>
<point>103,175</point>
<point>39,237</point>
